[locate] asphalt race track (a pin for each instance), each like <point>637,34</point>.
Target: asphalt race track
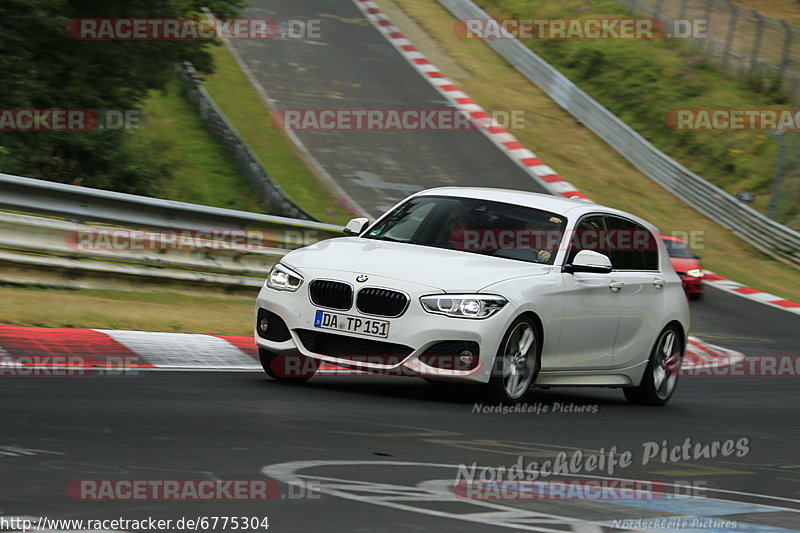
<point>376,454</point>
<point>164,425</point>
<point>354,67</point>
<point>749,327</point>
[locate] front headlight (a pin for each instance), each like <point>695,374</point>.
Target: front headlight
<point>282,279</point>
<point>463,305</point>
<point>696,273</point>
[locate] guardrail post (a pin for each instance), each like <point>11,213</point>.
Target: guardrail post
<point>731,33</point>
<point>659,7</point>
<point>772,208</point>
<point>682,10</point>
<point>707,16</point>
<point>754,66</point>
<point>787,47</point>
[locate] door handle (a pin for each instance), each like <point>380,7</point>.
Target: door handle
<point>616,285</point>
<point>659,282</point>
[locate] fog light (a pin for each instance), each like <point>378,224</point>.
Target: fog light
<point>466,357</point>
<point>263,324</point>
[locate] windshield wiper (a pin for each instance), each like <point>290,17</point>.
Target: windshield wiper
<point>384,238</point>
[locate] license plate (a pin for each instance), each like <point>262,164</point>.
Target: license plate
<point>352,324</point>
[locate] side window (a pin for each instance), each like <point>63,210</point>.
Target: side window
<point>633,246</point>
<point>589,234</point>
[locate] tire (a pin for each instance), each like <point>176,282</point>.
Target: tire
<point>517,363</point>
<point>295,368</point>
<point>663,368</point>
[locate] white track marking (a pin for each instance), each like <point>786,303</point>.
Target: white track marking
<point>493,514</point>
<point>182,350</point>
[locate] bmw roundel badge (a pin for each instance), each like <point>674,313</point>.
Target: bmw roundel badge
<point>362,278</point>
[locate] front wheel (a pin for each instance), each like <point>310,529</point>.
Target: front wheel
<point>661,375</point>
<point>517,363</point>
<point>294,368</point>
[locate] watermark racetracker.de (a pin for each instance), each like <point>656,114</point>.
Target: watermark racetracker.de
<point>611,28</point>
<point>69,120</point>
<point>167,29</point>
<point>53,366</point>
<point>733,119</point>
<point>388,120</point>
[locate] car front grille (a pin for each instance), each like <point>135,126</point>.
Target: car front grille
<point>353,348</point>
<point>331,294</point>
<point>381,302</point>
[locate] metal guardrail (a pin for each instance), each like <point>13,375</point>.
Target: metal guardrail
<point>48,251</point>
<point>767,235</point>
<point>95,205</point>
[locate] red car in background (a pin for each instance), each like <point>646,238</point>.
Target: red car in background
<point>686,264</point>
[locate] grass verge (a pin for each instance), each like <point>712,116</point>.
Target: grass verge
<point>583,158</point>
<point>194,166</point>
<point>169,312</point>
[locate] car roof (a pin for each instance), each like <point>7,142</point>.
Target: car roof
<point>555,204</point>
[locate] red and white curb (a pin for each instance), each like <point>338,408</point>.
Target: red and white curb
<point>509,144</point>
<point>700,354</point>
<point>22,347</point>
<point>727,285</point>
<point>543,174</point>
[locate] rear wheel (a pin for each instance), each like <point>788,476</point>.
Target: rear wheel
<point>661,375</point>
<point>517,362</point>
<point>293,368</point>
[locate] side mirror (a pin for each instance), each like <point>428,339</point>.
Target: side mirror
<point>356,226</point>
<point>589,261</point>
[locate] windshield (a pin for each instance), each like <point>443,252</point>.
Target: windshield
<point>678,249</point>
<point>475,226</point>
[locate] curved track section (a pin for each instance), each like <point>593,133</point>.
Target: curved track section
<point>353,67</point>
<point>364,453</point>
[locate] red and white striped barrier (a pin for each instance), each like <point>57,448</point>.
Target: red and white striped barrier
<point>96,349</point>
<point>727,285</point>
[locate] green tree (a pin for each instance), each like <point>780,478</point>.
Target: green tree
<point>44,68</point>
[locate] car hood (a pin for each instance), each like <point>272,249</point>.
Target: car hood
<point>449,270</point>
<point>684,264</point>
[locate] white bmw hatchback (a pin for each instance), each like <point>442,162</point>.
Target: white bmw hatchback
<point>502,288</point>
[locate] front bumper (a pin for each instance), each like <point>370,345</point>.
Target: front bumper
<point>416,329</point>
<point>691,284</point>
